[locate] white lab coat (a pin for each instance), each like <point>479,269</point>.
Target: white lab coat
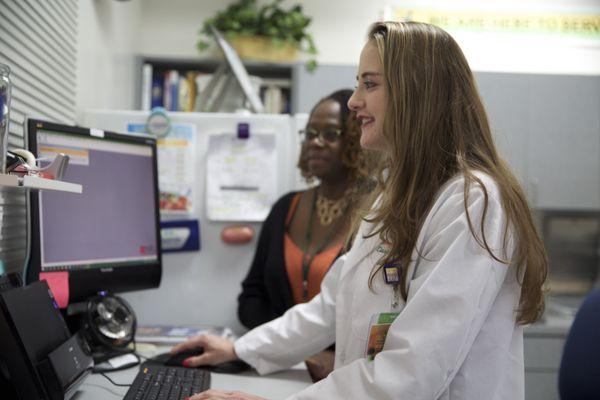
<point>455,338</point>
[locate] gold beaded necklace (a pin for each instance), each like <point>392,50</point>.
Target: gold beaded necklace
<point>329,210</point>
<point>309,254</point>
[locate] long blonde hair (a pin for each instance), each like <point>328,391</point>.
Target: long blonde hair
<point>436,127</point>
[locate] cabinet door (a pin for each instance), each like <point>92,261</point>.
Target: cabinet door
<point>505,97</point>
<point>564,142</point>
<point>542,354</point>
<point>541,386</point>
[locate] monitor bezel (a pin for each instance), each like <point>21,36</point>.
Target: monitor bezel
<point>86,283</point>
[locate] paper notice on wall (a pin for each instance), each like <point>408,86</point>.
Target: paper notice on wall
<point>176,167</point>
<point>241,177</point>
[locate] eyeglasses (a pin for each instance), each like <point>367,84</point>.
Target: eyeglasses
<point>329,135</point>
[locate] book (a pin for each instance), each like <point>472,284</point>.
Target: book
<point>146,87</point>
<point>275,95</point>
<point>273,100</point>
<point>187,92</point>
<point>201,79</point>
<point>171,90</point>
<point>156,99</point>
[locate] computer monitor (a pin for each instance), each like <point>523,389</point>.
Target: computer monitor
<point>108,237</point>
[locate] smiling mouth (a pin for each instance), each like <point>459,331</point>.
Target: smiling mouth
<point>364,121</point>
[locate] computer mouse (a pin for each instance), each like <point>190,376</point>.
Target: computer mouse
<point>230,367</point>
<point>176,360</point>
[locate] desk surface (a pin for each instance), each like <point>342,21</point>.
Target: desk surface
<point>275,386</point>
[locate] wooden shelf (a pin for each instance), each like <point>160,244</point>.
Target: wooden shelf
<point>260,68</point>
<point>276,79</point>
<point>36,183</point>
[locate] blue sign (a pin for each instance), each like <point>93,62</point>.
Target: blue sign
<point>181,235</point>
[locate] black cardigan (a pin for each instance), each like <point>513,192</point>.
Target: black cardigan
<point>266,291</point>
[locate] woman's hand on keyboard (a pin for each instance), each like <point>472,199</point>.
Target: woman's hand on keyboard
<point>217,350</point>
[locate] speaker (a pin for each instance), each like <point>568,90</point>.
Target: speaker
<point>108,324</point>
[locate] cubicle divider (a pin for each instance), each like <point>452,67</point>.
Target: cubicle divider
<point>201,287</point>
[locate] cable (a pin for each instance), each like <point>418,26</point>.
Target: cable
<point>113,382</point>
<point>98,370</point>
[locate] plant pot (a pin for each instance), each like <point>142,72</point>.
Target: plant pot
<point>261,48</point>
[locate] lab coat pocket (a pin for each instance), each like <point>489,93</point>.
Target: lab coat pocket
<point>367,302</point>
<point>360,314</point>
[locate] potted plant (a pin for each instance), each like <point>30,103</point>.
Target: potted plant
<point>266,33</point>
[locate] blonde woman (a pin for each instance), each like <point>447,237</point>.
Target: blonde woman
<point>447,266</point>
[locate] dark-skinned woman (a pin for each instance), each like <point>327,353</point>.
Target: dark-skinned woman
<point>304,232</point>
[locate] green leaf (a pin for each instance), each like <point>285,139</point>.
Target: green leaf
<point>202,46</point>
<point>311,65</point>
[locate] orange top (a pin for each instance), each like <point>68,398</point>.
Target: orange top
<point>293,262</point>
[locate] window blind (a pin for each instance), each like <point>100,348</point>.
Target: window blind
<point>38,41</point>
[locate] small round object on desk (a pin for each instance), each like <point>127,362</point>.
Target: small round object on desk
<point>237,234</point>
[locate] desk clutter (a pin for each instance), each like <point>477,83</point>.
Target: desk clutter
<point>53,365</point>
<point>47,365</point>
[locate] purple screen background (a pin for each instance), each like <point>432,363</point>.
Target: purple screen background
<point>113,217</point>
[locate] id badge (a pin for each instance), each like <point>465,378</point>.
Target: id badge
<point>378,329</point>
<point>391,273</point>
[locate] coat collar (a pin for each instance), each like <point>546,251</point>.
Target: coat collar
<point>360,249</point>
<point>364,246</point>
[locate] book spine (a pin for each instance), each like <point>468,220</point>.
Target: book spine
<point>174,88</point>
<point>157,97</point>
<point>171,90</point>
<point>146,87</point>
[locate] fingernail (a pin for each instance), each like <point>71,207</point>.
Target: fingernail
<point>185,363</point>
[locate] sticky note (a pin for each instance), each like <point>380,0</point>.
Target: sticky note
<point>59,285</point>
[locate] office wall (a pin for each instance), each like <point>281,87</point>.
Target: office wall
<point>339,28</point>
<point>107,42</point>
<point>114,32</point>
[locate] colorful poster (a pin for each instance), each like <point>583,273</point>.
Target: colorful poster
<point>176,167</point>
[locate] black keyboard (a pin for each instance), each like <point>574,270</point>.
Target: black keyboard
<point>155,382</point>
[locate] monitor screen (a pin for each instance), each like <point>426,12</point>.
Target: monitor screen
<point>107,237</point>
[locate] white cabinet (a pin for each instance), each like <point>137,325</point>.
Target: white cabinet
<point>548,129</point>
<point>564,142</point>
<point>504,96</point>
<point>542,360</point>
<point>543,347</point>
